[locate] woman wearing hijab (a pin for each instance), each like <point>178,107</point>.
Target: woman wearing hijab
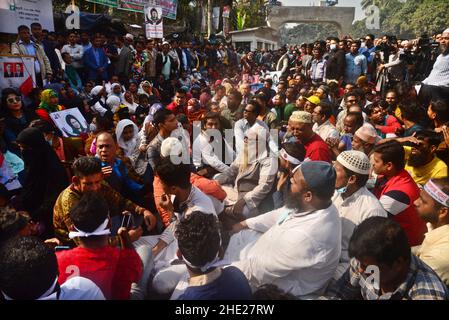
<point>127,135</point>
<point>49,104</point>
<point>98,102</point>
<point>16,117</point>
<point>134,88</point>
<point>147,89</point>
<point>45,178</point>
<point>128,101</point>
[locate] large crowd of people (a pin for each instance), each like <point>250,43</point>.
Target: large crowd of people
<point>201,176</point>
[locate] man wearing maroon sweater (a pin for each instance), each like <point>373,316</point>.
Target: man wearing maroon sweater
<point>300,126</point>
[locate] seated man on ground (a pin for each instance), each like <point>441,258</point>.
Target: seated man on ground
<point>433,208</point>
<point>88,178</point>
<point>211,188</point>
<point>380,252</point>
<point>112,269</point>
<point>199,241</point>
<point>29,271</point>
<point>250,179</point>
<point>298,246</point>
<point>352,199</point>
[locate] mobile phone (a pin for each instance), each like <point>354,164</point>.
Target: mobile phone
<point>126,220</point>
<point>61,248</point>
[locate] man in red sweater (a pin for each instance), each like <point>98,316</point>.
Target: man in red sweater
<point>179,104</point>
<point>300,126</point>
<point>396,189</point>
<point>113,270</point>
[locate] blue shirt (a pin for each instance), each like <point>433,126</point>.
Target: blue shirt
<point>119,180</point>
<point>355,67</point>
<point>230,285</point>
<point>368,53</point>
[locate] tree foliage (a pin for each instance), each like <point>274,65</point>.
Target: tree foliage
<point>308,33</point>
<point>406,19</point>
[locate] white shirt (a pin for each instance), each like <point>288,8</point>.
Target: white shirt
<point>326,130</point>
<point>240,129</point>
<point>76,52</point>
<point>210,153</point>
<point>197,201</point>
<point>299,255</point>
<point>354,210</point>
<point>439,76</point>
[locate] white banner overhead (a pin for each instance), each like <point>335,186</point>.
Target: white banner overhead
<point>14,13</point>
<point>154,22</point>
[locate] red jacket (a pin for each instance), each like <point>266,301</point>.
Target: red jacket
<point>317,149</point>
<point>397,196</point>
<point>113,270</point>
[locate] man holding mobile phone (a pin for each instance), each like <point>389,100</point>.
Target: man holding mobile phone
<point>88,178</point>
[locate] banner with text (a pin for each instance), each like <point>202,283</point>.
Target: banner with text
<point>154,22</point>
<point>132,5</point>
<point>17,72</point>
<point>169,7</point>
<point>109,3</point>
<point>25,12</point>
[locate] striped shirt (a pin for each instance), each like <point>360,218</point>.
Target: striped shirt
<point>421,283</point>
<point>439,76</point>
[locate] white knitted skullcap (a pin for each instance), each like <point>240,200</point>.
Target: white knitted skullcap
<point>171,146</point>
<point>355,161</point>
<point>446,31</point>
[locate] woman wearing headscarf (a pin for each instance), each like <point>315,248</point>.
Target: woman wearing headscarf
<point>134,88</point>
<point>116,90</point>
<point>128,138</point>
<point>128,101</point>
<point>45,178</point>
<point>151,92</point>
<point>16,118</point>
<point>98,102</point>
<point>49,104</point>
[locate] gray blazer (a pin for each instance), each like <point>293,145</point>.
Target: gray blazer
<point>123,64</point>
<point>255,184</point>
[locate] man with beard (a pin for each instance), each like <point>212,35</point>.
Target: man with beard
<point>296,247</point>
<point>436,85</point>
<point>422,163</point>
<point>433,207</point>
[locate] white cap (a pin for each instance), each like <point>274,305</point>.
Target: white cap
<point>171,146</point>
<point>129,36</point>
<point>446,31</point>
<point>356,161</point>
<point>165,42</point>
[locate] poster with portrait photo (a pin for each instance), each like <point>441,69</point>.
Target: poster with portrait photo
<point>154,22</point>
<point>17,71</point>
<point>71,122</point>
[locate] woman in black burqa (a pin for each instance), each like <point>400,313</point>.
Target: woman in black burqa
<point>45,178</point>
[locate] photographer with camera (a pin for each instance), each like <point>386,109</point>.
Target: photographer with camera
<point>436,85</point>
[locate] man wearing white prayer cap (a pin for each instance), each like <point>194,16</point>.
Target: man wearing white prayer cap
<point>352,199</point>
